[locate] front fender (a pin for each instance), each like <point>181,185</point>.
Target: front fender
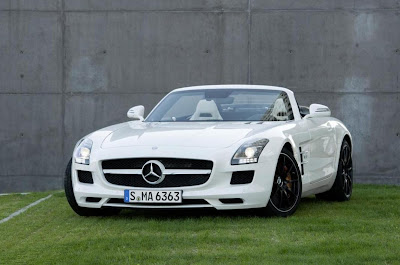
<point>340,133</point>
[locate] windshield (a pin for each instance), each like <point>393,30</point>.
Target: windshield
<point>223,105</point>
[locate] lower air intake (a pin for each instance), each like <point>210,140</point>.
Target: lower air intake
<point>168,182</point>
<point>85,177</point>
<point>242,177</point>
<point>184,202</point>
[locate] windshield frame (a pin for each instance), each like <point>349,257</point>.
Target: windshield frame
<point>288,92</point>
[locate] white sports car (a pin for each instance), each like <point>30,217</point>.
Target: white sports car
<point>220,146</point>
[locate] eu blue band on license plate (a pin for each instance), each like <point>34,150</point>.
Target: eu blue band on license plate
<point>126,195</point>
<point>152,196</point>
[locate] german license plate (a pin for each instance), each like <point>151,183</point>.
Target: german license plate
<point>152,196</point>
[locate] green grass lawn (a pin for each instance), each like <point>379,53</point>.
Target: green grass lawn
<point>363,230</point>
<point>14,202</point>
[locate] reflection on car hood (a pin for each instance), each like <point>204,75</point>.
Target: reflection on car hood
<point>185,134</point>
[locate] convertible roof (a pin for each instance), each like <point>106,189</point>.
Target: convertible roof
<point>233,86</point>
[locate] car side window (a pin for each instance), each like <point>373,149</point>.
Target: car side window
<point>304,111</point>
<point>280,110</point>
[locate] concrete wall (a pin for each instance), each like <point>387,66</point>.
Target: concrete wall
<point>68,67</point>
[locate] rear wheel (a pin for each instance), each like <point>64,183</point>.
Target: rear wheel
<point>287,186</point>
<point>82,211</point>
<point>343,186</point>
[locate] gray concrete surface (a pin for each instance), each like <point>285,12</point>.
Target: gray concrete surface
<point>69,67</point>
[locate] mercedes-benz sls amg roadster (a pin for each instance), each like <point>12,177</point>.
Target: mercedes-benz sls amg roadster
<point>219,146</point>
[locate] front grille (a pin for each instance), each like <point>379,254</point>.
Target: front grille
<point>196,172</point>
<point>169,163</point>
<point>85,176</point>
<point>169,181</point>
<point>184,202</point>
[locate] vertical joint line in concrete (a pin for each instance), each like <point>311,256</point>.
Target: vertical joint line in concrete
<point>63,78</point>
<point>249,42</point>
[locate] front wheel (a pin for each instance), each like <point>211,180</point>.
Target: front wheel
<point>82,211</point>
<point>286,190</point>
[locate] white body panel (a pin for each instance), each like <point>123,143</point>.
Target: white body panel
<point>319,138</point>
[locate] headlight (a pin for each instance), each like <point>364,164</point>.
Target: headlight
<point>82,152</point>
<point>249,152</point>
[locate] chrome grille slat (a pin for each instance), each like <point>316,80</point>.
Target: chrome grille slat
<point>166,172</point>
<point>169,163</point>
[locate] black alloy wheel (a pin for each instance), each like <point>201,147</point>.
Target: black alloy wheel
<point>347,171</point>
<point>287,186</point>
<point>342,188</point>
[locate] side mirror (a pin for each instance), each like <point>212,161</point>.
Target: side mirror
<point>318,110</point>
<point>136,113</point>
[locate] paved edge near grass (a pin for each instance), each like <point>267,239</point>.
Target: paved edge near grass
<point>24,209</point>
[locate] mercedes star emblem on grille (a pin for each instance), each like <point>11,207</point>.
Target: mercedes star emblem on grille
<point>153,172</point>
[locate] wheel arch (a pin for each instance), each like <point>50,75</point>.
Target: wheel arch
<point>345,136</point>
<point>349,140</point>
<point>288,146</point>
<point>294,149</point>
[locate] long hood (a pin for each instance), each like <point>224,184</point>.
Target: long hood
<point>183,134</point>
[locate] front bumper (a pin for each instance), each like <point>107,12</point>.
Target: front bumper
<point>254,195</point>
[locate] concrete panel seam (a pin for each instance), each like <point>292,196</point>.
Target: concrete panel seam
<point>344,92</point>
<point>210,11</point>
<point>164,93</point>
<point>30,175</point>
<point>83,93</point>
<point>325,10</point>
<point>249,42</point>
<point>63,79</point>
<point>142,11</point>
<point>115,93</point>
<point>32,11</point>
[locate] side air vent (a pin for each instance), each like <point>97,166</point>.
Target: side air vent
<point>301,161</point>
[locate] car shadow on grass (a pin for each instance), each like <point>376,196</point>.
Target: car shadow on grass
<point>184,213</point>
<point>205,212</point>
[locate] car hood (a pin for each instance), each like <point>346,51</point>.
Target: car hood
<point>183,134</point>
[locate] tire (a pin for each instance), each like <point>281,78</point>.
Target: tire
<point>82,211</point>
<point>342,188</point>
<point>287,187</point>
